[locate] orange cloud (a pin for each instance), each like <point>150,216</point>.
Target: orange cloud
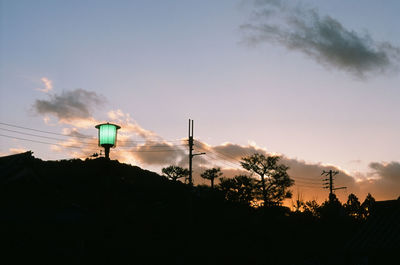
<point>48,85</point>
<point>383,183</point>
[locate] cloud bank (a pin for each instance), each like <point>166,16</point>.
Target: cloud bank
<point>136,145</point>
<point>139,146</point>
<point>383,181</point>
<point>322,38</point>
<point>69,106</point>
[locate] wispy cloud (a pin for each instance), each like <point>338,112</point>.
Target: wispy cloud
<point>48,85</point>
<point>322,38</point>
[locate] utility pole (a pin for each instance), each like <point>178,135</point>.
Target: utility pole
<point>330,185</point>
<point>191,155</point>
<point>190,150</point>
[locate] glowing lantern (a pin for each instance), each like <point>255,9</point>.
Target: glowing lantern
<point>107,136</point>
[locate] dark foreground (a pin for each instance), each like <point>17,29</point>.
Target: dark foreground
<point>103,212</point>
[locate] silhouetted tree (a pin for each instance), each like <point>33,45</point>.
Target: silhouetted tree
<point>312,208</point>
<point>274,178</point>
<point>298,204</point>
<point>174,172</point>
<point>367,207</point>
<point>331,208</point>
<point>353,207</point>
<point>211,174</point>
<point>240,189</point>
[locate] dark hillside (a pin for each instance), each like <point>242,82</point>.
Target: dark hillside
<point>104,212</point>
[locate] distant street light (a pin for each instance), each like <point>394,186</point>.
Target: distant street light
<point>107,136</point>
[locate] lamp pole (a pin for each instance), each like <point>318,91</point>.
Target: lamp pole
<point>107,136</point>
<point>107,151</point>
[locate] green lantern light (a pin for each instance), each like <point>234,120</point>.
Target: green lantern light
<point>107,136</point>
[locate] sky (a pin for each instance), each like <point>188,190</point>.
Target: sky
<point>316,82</point>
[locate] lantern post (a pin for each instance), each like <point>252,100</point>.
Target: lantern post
<point>107,136</point>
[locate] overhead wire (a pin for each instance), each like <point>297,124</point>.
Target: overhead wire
<point>224,162</point>
<point>84,136</point>
<point>220,158</point>
<point>40,142</point>
<point>80,147</point>
<point>308,185</point>
<point>243,152</point>
<point>151,151</point>
<point>31,129</point>
<point>305,186</point>
<point>215,157</point>
<point>86,143</point>
<point>212,154</point>
<point>230,157</point>
<point>41,136</point>
<point>306,181</point>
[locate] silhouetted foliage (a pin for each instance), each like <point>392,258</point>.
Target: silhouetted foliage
<point>275,180</point>
<point>331,209</point>
<point>299,203</point>
<point>312,208</point>
<point>240,189</point>
<point>99,211</point>
<point>367,207</point>
<point>174,172</point>
<point>211,174</point>
<point>353,207</point>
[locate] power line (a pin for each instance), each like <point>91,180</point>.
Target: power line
<point>84,136</point>
<point>84,142</point>
<point>310,179</point>
<point>152,151</point>
<point>31,129</point>
<point>221,156</point>
<point>40,142</point>
<point>36,135</point>
<point>305,186</point>
<point>79,147</point>
<point>230,157</point>
<point>151,146</point>
<point>244,153</point>
<point>308,184</point>
<point>221,159</point>
<point>225,162</point>
<point>87,143</point>
<point>306,181</point>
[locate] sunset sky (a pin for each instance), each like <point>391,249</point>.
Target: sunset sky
<point>317,82</point>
